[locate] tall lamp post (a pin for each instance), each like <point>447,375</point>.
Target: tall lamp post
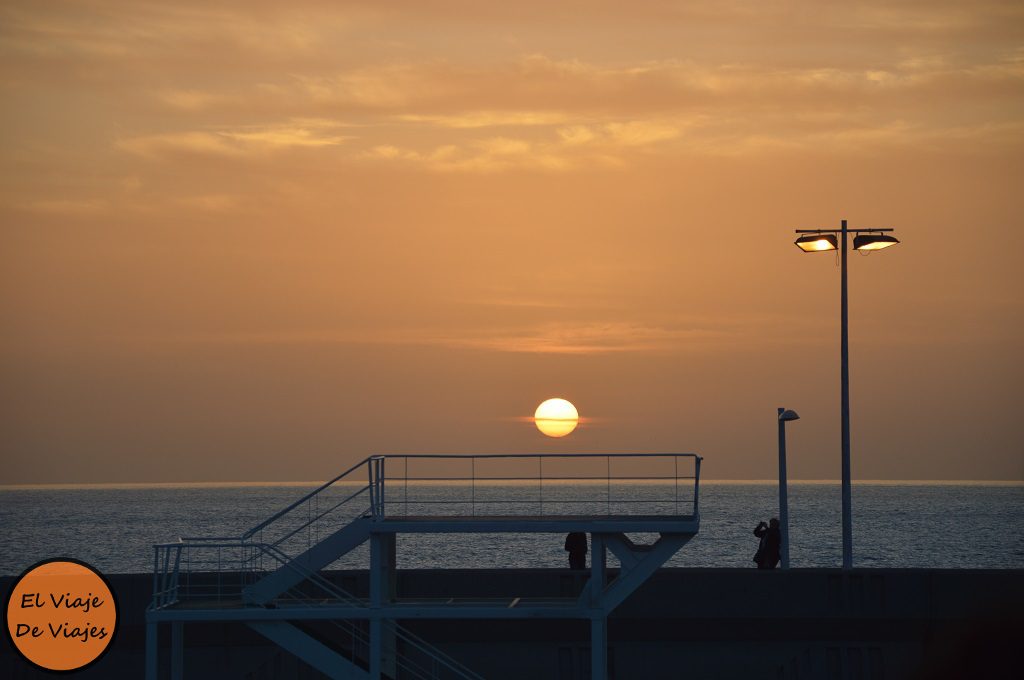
<point>867,240</point>
<point>784,417</point>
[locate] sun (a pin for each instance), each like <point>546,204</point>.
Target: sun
<point>556,417</point>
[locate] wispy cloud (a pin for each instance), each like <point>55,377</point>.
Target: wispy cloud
<point>559,338</point>
<point>481,119</point>
<point>586,338</point>
<point>238,141</point>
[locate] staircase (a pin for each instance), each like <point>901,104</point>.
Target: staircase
<point>276,565</point>
<point>272,577</point>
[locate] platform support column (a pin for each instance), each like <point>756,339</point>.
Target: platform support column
<point>598,575</point>
<point>598,616</point>
<point>599,647</point>
<point>177,651</point>
<point>151,650</point>
<point>383,562</point>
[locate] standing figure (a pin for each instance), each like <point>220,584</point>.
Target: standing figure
<point>771,543</point>
<point>576,546</point>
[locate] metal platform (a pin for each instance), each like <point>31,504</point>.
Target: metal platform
<point>271,578</point>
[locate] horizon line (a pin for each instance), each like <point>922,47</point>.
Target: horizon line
<point>312,483</point>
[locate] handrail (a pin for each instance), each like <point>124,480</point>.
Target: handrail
<point>468,456</point>
<point>375,482</point>
<point>519,472</point>
<point>336,592</point>
<point>270,520</point>
<point>314,519</point>
<point>422,644</point>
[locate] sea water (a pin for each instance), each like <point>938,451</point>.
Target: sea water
<point>975,526</point>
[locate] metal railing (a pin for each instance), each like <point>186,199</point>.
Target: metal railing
<point>628,484</point>
<point>222,574</point>
<point>324,510</point>
<point>220,568</point>
<point>609,485</point>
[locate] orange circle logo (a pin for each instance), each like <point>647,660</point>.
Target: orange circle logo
<point>61,615</point>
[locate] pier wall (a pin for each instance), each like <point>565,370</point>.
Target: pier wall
<point>692,623</point>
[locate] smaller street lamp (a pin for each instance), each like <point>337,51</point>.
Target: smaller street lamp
<point>784,417</point>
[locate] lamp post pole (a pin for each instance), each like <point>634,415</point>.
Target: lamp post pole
<point>866,240</point>
<point>783,491</point>
<point>844,380</point>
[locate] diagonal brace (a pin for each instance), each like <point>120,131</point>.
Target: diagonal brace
<point>639,566</point>
<point>625,549</point>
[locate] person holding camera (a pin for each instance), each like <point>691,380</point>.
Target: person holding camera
<point>767,555</point>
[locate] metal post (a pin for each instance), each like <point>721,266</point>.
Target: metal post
<point>783,492</point>
<point>844,379</point>
<point>372,488</point>
<point>177,651</point>
<point>696,485</point>
<point>382,582</point>
<point>598,616</point>
<point>599,648</point>
<point>151,650</point>
<point>598,563</point>
<point>382,480</point>
<point>377,580</point>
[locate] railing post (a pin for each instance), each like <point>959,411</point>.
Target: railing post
<point>675,464</point>
<point>382,481</point>
<point>156,582</point>
<point>608,482</point>
<point>696,484</point>
<point>373,489</point>
<point>540,482</point>
<point>176,576</point>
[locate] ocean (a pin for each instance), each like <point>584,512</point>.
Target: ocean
<point>936,525</point>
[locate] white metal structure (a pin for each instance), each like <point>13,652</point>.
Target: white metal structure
<point>271,578</point>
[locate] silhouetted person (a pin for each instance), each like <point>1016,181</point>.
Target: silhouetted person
<point>771,542</point>
<point>576,546</point>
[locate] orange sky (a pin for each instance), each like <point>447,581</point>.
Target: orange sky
<point>248,242</point>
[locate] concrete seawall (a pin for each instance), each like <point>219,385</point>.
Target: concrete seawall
<point>693,623</point>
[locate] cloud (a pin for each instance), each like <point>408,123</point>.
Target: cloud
<point>556,149</point>
<point>247,81</point>
<point>280,137</point>
<point>480,119</point>
<point>640,133</point>
<point>547,338</point>
<point>154,146</point>
<point>577,134</point>
<point>236,142</point>
<point>585,338</point>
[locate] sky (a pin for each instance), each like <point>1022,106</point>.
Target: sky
<point>261,241</point>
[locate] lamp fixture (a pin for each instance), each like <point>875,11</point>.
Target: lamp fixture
<point>868,242</point>
<point>813,243</point>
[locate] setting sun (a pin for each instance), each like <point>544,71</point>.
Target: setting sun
<point>556,417</point>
